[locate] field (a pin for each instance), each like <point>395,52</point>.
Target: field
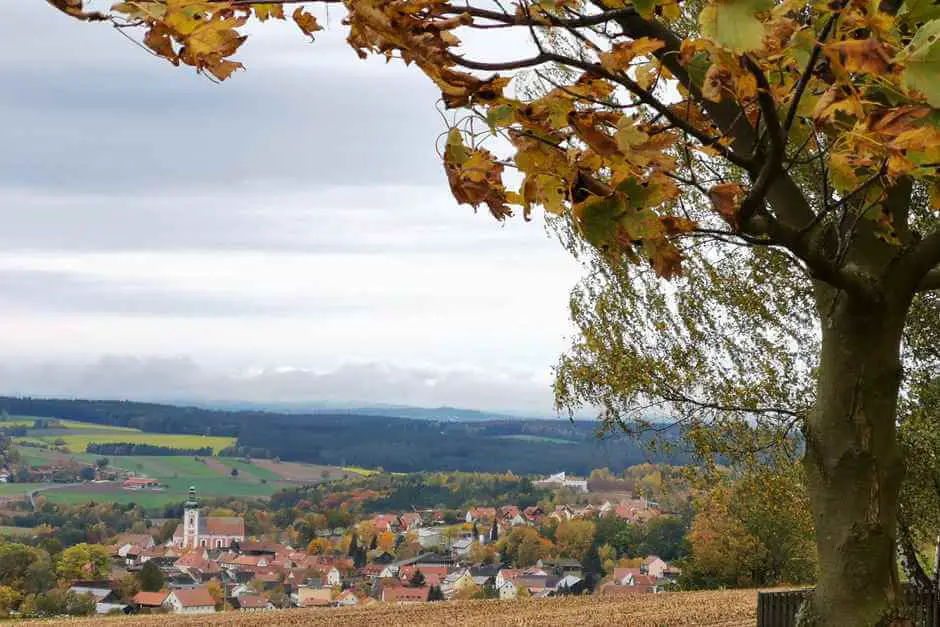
<point>725,609</point>
<point>16,489</point>
<point>212,476</point>
<point>79,441</point>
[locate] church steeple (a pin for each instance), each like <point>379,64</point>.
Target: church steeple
<point>191,520</point>
<point>191,501</point>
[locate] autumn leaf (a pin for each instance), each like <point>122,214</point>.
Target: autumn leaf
<point>921,60</point>
<point>726,197</point>
<point>734,23</point>
<point>306,21</point>
<point>860,55</point>
<point>269,10</point>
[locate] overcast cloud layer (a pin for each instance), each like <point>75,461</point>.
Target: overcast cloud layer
<point>285,237</point>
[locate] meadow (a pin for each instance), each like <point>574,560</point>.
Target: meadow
<point>731,608</point>
<point>212,476</point>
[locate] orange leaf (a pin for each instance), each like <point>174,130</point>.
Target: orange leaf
<point>306,21</point>
<point>725,197</point>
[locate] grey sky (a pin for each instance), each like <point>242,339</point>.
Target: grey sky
<point>286,236</point>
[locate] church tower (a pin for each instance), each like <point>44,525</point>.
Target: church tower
<point>191,520</point>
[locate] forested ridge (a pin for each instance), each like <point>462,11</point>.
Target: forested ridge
<point>395,444</point>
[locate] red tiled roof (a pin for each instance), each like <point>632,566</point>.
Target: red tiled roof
<point>252,602</point>
<point>397,594</point>
<point>197,597</point>
<point>225,526</point>
<point>150,599</point>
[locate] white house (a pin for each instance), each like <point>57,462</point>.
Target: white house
<point>195,601</point>
<point>455,582</point>
<point>655,566</point>
<point>429,538</point>
<point>333,578</point>
<point>561,480</point>
<point>507,591</point>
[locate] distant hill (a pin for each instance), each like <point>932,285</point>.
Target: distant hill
<point>455,414</point>
<point>344,438</point>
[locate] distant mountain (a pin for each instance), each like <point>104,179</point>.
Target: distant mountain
<point>445,414</point>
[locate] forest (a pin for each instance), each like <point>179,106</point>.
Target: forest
<point>395,444</point>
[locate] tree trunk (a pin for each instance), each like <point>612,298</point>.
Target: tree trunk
<point>853,463</point>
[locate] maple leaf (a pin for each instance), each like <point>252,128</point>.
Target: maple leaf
<point>726,197</point>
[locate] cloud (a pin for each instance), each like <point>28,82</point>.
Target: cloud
<point>182,380</point>
<point>291,222</point>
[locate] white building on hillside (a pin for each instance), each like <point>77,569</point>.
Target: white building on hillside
<point>560,480</point>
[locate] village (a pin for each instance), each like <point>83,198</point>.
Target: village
<point>210,565</point>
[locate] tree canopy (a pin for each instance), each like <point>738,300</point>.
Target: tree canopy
<point>775,161</point>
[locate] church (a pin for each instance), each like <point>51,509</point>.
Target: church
<point>211,532</point>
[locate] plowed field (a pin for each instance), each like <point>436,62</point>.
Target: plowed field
<point>735,608</point>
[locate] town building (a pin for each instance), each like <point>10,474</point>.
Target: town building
<point>212,532</point>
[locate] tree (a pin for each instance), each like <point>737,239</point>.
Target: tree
<point>494,532</point>
<point>775,161</point>
<point>664,536</point>
<point>9,599</point>
<point>523,546</point>
<point>234,473</point>
<point>150,577</point>
<point>83,561</point>
<point>215,590</point>
<point>756,531</point>
<point>417,579</point>
<point>574,537</point>
<point>435,594</point>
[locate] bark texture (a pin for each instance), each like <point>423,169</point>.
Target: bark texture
<point>853,462</point>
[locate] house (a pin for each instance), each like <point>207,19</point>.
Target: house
<point>430,538</point>
<point>561,566</point>
<point>332,578</point>
<point>106,598</point>
<point>385,522</point>
<point>461,548</point>
<point>410,520</point>
<point>143,540</point>
<point>140,483</point>
<point>654,567</point>
<point>480,514</point>
<point>195,601</point>
<point>454,583</point>
<point>507,590</point>
<point>506,574</point>
<point>401,594</point>
<point>308,596</point>
<point>215,532</point>
<point>626,576</point>
<point>561,480</point>
<point>347,598</point>
<point>149,600</point>
<point>252,603</point>
<point>570,584</point>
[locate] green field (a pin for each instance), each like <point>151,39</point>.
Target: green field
<point>15,489</point>
<point>210,475</point>
<point>17,532</point>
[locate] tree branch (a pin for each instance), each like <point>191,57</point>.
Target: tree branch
<point>807,74</point>
<point>930,282</point>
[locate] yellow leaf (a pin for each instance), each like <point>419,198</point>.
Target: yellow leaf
<point>268,10</point>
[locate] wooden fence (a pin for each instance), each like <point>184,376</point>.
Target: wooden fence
<point>778,609</point>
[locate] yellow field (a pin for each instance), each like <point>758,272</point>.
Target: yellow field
<point>735,608</point>
<point>78,442</point>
